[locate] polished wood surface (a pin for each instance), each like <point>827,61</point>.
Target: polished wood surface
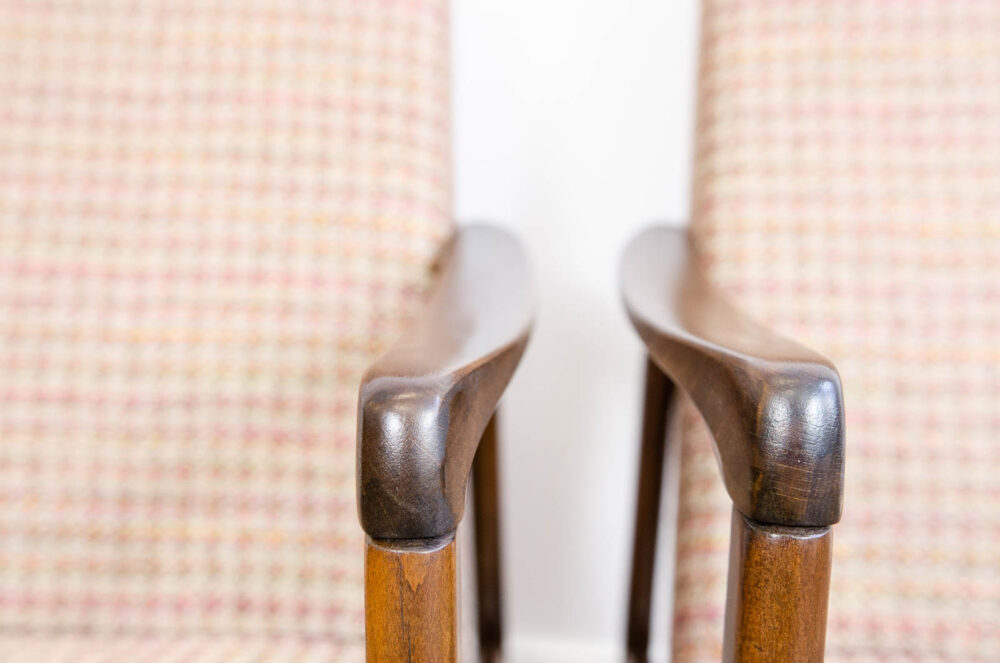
<point>658,394</point>
<point>486,527</point>
<point>410,602</point>
<point>424,405</point>
<point>779,582</point>
<point>775,408</point>
<point>423,408</point>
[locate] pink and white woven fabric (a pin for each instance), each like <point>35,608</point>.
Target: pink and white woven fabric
<point>164,649</point>
<point>213,213</point>
<point>848,193</point>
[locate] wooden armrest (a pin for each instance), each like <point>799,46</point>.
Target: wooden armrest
<point>775,408</point>
<point>423,405</point>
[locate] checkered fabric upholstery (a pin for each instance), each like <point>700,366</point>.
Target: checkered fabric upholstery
<point>162,649</point>
<point>213,213</point>
<point>847,192</point>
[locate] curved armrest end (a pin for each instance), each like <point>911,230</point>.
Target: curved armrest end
<point>423,406</point>
<point>774,407</point>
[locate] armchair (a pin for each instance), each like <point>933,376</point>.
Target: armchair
<point>846,193</point>
<point>213,216</point>
<point>425,420</point>
<point>775,410</point>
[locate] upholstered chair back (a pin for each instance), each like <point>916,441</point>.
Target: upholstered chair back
<point>213,214</point>
<point>847,191</point>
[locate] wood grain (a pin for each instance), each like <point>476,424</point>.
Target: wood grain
<point>775,408</point>
<point>410,602</point>
<point>424,405</point>
<point>423,408</point>
<point>779,581</point>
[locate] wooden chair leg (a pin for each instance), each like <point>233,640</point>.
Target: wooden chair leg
<point>779,582</point>
<point>410,601</point>
<point>486,498</point>
<point>659,391</point>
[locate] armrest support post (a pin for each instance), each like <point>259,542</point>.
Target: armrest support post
<point>779,583</point>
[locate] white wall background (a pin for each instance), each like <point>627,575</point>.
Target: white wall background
<point>572,127</point>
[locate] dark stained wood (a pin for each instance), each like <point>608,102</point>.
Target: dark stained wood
<point>410,602</point>
<point>658,394</point>
<point>779,582</point>
<point>486,503</point>
<point>775,408</point>
<point>423,408</point>
<point>424,405</point>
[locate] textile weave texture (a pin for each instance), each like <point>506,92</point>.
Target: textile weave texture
<point>213,214</point>
<point>847,193</point>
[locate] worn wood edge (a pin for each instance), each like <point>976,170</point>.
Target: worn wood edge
<point>778,593</point>
<point>774,407</point>
<point>423,406</point>
<point>410,545</point>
